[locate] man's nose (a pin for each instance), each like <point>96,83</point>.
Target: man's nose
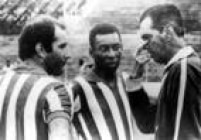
<point>66,51</point>
<point>111,52</point>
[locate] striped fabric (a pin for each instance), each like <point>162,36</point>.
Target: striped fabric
<point>104,113</point>
<point>27,103</point>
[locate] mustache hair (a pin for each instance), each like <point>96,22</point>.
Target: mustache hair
<point>54,64</point>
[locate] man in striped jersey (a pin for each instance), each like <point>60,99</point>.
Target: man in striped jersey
<point>101,107</point>
<point>34,106</point>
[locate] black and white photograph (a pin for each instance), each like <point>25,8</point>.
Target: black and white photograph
<point>100,69</point>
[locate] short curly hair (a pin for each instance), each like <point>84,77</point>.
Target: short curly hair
<point>40,29</point>
<point>103,28</point>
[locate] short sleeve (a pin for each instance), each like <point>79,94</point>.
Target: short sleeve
<point>57,103</point>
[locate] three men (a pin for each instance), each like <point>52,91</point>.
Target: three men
<point>102,110</point>
<point>37,107</point>
<point>162,30</point>
<point>34,106</point>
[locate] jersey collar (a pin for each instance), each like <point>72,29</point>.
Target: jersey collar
<point>93,77</point>
<point>182,53</point>
<point>30,68</point>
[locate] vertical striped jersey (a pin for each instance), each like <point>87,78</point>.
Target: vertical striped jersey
<point>100,112</point>
<point>28,102</point>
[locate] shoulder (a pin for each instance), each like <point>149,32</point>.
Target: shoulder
<point>76,84</point>
<point>58,93</point>
<point>193,67</point>
<point>48,85</point>
<point>194,61</point>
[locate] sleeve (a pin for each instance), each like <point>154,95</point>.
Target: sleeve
<point>141,108</point>
<point>77,93</point>
<point>168,101</point>
<point>58,103</point>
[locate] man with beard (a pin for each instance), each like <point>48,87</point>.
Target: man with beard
<point>33,105</point>
<point>101,108</point>
<point>179,103</point>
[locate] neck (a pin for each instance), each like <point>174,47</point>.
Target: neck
<point>107,75</point>
<point>36,62</point>
<point>172,54</point>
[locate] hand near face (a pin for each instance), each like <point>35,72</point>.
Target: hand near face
<point>142,56</point>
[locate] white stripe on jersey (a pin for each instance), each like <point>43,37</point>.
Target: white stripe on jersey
<point>53,100</point>
<point>3,88</point>
<point>30,132</point>
<point>11,131</point>
<point>108,94</point>
<point>92,101</point>
<point>69,90</point>
<point>84,127</point>
<point>126,104</point>
<point>74,133</point>
<point>80,138</point>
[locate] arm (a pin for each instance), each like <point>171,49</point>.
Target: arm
<point>59,129</point>
<point>138,70</point>
<point>58,113</point>
<point>143,111</point>
<point>137,77</point>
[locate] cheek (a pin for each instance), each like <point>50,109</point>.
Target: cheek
<point>157,45</point>
<point>59,52</point>
<point>98,56</point>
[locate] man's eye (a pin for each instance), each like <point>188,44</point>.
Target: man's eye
<point>104,48</point>
<point>62,46</point>
<point>116,47</point>
<point>146,37</point>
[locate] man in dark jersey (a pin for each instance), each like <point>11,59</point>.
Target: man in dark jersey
<point>33,105</point>
<point>161,28</point>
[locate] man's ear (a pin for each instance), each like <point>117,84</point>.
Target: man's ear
<point>40,51</point>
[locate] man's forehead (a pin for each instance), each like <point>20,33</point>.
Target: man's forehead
<point>60,33</point>
<point>146,27</point>
<point>147,23</point>
<point>107,38</point>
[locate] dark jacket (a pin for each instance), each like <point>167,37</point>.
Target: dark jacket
<point>190,123</point>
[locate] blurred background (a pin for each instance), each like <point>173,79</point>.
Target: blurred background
<point>81,15</point>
